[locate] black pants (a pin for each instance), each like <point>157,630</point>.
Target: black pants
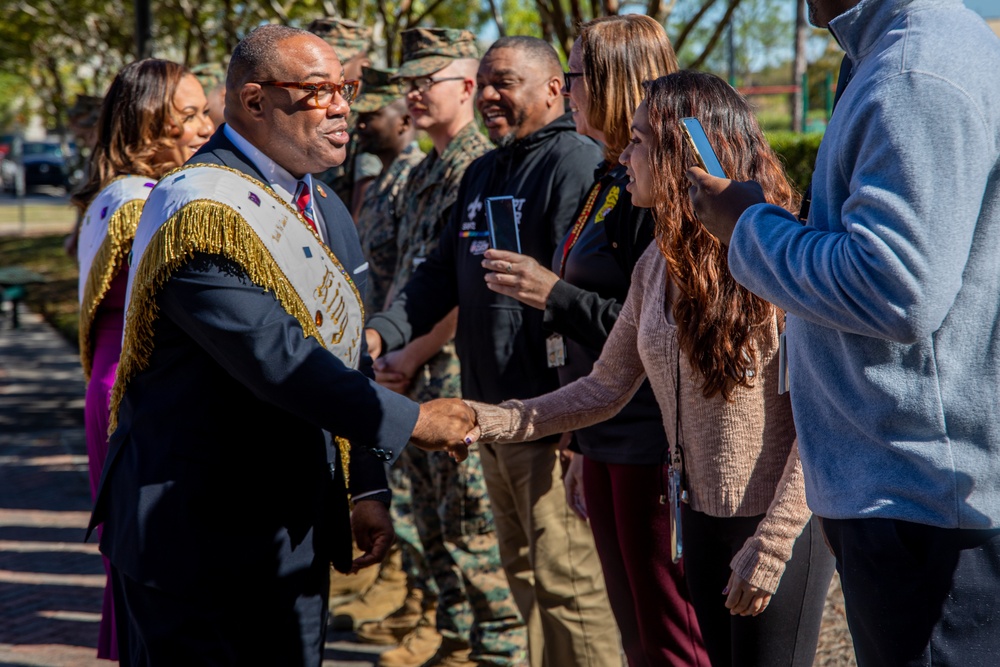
<point>787,632</point>
<point>919,595</point>
<point>249,626</point>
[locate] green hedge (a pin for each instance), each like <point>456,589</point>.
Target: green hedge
<point>798,152</point>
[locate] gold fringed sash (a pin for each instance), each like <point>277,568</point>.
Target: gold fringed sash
<point>110,258</point>
<point>213,227</point>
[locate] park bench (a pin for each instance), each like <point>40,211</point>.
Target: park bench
<point>14,281</point>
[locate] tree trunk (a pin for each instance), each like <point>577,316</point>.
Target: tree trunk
<point>799,64</point>
<point>58,94</point>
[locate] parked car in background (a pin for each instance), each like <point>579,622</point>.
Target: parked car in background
<point>47,163</point>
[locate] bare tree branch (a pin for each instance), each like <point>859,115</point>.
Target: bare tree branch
<point>719,28</point>
<point>498,18</point>
<point>427,11</point>
<point>686,30</point>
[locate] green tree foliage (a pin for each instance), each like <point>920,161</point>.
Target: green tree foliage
<point>61,48</point>
<point>798,153</point>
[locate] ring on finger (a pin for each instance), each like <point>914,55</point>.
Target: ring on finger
<point>510,268</point>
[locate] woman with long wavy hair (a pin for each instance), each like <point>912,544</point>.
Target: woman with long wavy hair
<point>709,348</point>
<point>154,117</point>
<point>613,474</point>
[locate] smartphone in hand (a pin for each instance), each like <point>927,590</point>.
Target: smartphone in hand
<point>502,223</point>
<point>702,148</point>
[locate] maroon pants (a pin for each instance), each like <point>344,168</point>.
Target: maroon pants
<point>647,591</point>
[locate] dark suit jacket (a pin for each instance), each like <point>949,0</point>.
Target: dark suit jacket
<point>219,471</point>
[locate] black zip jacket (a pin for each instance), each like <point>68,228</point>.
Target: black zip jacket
<point>584,307</point>
<point>500,341</point>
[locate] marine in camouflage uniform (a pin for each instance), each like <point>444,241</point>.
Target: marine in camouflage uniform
<point>377,226</point>
<point>451,508</point>
<point>378,219</point>
<point>352,42</point>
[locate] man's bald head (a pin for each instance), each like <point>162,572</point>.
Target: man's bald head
<point>257,57</point>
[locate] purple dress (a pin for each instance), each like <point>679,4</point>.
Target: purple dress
<point>106,337</point>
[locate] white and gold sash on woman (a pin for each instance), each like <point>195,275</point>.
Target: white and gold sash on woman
<point>220,211</point>
<point>105,241</point>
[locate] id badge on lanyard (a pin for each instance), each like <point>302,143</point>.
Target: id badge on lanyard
<point>555,351</point>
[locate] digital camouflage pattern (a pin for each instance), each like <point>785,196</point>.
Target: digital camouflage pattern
<point>377,226</point>
<point>430,192</point>
<point>427,50</point>
<point>348,38</point>
<point>378,90</point>
<point>209,75</point>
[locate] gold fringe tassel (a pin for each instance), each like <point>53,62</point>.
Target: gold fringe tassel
<point>111,258</point>
<point>213,228</point>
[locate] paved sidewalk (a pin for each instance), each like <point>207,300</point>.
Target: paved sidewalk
<point>51,583</point>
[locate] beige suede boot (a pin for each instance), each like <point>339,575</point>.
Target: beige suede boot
<point>379,600</point>
<point>415,649</point>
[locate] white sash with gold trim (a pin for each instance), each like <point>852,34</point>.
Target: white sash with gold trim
<point>105,240</point>
<point>221,211</point>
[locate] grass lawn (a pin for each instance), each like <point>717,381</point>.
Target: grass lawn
<point>39,214</point>
<point>56,299</point>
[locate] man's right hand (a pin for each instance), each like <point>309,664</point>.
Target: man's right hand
<point>442,426</point>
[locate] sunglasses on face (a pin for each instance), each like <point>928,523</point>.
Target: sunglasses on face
<point>568,78</point>
<point>321,93</point>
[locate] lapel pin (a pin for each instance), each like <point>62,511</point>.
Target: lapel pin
<point>321,191</point>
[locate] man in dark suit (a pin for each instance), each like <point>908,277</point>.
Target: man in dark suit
<point>223,498</point>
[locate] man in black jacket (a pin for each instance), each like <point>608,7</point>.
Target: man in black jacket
<point>541,161</point>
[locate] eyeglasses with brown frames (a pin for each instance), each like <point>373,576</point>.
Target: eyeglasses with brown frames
<point>322,93</point>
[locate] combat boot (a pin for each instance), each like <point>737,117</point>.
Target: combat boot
<point>451,653</point>
<point>378,601</point>
<point>346,587</point>
<point>391,630</point>
<point>415,649</point>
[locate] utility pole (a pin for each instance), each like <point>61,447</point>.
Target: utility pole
<point>731,43</point>
<point>799,66</point>
<point>143,29</point>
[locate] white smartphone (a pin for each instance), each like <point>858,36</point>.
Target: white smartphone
<point>502,223</point>
<point>702,147</point>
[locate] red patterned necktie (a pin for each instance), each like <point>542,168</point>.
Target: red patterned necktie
<point>303,200</point>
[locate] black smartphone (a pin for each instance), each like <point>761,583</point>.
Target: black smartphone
<point>702,148</point>
<point>502,224</point>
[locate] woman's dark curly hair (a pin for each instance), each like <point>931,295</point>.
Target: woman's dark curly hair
<point>720,322</point>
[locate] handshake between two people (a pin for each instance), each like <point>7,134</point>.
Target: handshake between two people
<point>446,424</point>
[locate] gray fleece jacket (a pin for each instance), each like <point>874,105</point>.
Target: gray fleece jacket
<point>893,287</point>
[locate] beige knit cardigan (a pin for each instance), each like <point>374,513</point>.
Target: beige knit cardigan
<point>740,456</point>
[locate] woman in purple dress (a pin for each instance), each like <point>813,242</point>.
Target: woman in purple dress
<point>153,119</point>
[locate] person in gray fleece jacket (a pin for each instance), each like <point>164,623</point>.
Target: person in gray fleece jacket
<point>892,290</point>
